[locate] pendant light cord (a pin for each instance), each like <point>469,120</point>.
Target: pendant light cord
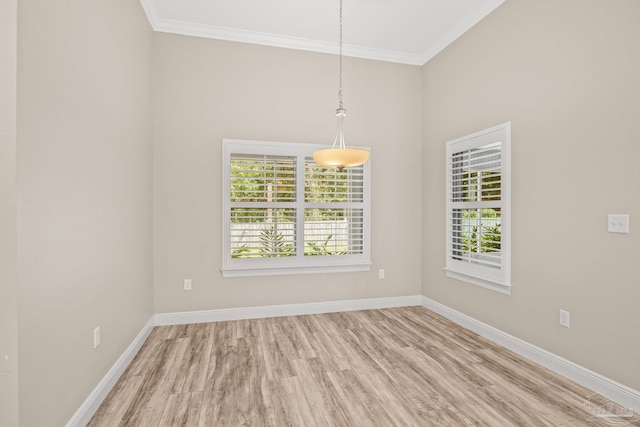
<point>340,79</point>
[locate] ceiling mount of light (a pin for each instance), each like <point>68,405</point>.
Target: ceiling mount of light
<point>339,155</point>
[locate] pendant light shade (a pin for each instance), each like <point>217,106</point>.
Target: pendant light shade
<point>339,155</point>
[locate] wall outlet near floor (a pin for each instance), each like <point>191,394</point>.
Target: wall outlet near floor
<point>618,223</point>
<point>381,273</point>
<point>96,337</point>
<point>564,318</point>
<point>187,284</point>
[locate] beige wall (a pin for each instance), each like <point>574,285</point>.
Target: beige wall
<point>206,90</point>
<point>566,74</point>
<point>8,247</point>
<point>84,177</point>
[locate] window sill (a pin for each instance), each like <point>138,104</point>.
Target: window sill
<point>255,272</point>
<point>483,283</point>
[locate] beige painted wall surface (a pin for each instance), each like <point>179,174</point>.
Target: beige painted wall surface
<point>566,74</point>
<point>84,196</point>
<point>8,246</point>
<point>207,90</point>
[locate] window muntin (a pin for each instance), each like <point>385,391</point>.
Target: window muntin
<point>283,213</point>
<point>478,208</point>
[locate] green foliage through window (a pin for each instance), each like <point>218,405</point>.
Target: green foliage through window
<point>263,214</point>
<point>479,230</point>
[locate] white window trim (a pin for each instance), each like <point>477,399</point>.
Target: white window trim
<point>498,280</point>
<point>297,264</point>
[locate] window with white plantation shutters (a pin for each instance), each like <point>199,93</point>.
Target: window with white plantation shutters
<point>284,214</point>
<point>478,208</point>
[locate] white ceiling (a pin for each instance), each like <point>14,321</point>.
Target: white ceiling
<point>405,31</point>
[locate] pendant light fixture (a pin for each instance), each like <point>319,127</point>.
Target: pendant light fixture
<point>339,155</point>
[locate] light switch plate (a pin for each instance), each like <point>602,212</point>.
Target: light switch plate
<point>96,337</point>
<point>564,318</point>
<point>618,223</point>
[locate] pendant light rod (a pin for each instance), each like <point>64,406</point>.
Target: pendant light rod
<point>340,61</point>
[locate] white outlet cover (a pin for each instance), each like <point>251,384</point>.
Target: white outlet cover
<point>618,223</point>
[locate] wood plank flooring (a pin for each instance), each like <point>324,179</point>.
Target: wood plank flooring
<point>391,367</point>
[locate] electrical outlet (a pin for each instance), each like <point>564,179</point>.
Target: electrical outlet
<point>618,223</point>
<point>96,337</point>
<point>381,273</point>
<point>187,284</point>
<point>564,318</point>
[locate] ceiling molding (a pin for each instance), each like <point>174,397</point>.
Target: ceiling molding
<point>150,11</point>
<point>243,36</point>
<point>235,35</point>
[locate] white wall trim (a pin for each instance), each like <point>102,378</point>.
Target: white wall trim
<point>92,403</point>
<point>607,387</point>
<point>473,16</point>
<point>164,319</point>
<point>164,25</point>
<point>150,11</point>
<point>253,37</point>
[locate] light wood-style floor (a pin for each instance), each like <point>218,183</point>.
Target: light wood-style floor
<point>391,367</point>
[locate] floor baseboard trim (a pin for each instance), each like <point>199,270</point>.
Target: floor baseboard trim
<point>164,319</point>
<point>607,387</point>
<point>92,403</point>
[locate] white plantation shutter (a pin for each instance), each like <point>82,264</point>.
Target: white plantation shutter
<point>262,205</point>
<point>284,214</point>
<point>478,208</point>
<point>334,210</point>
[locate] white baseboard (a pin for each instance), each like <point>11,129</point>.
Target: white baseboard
<point>163,319</point>
<point>609,388</point>
<point>92,403</point>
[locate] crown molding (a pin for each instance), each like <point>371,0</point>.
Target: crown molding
<point>229,34</point>
<point>150,10</point>
<point>243,36</point>
<point>265,39</point>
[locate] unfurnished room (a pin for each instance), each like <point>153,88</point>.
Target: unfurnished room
<point>303,213</point>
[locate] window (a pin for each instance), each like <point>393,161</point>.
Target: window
<point>478,208</point>
<point>284,214</point>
